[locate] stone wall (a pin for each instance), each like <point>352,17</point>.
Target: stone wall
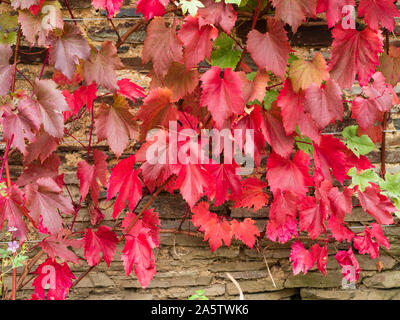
<point>185,264</point>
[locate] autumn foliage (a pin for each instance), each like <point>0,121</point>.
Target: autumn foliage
<point>202,77</point>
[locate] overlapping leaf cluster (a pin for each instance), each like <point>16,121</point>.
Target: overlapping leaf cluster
<point>201,78</point>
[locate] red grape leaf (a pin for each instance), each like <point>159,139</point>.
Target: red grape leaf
<point>354,52</point>
<point>139,243</point>
<point>116,125</point>
<point>43,199</point>
<point>156,166</point>
<point>130,90</point>
<point>302,259</point>
<point>351,268</point>
<point>57,246</point>
<point>374,133</point>
<point>312,217</point>
<point>283,232</point>
<point>55,277</point>
<point>5,69</point>
<point>378,11</point>
<point>41,148</point>
<point>292,106</point>
<point>364,244</point>
<point>255,89</point>
<point>225,178</point>
<point>196,40</point>
<point>339,231</point>
<point>12,209</point>
<point>253,194</point>
<point>274,133</point>
<point>283,208</point>
<point>324,103</point>
<point>222,96</point>
<point>270,50</point>
<point>92,176</point>
<point>96,216</point>
<point>389,65</point>
<point>59,78</point>
<point>219,13</point>
<point>101,66</point>
<point>333,9</point>
<point>104,240</point>
<point>193,181</point>
<point>24,4</point>
<point>151,8</point>
<point>22,125</point>
<point>178,79</point>
<point>112,6</point>
<point>245,231</point>
<point>294,12</point>
<point>32,27</point>
<point>304,73</point>
<point>332,154</point>
<point>51,104</point>
<point>138,251</point>
<point>125,181</point>
<point>150,220</point>
<point>292,111</point>
<point>161,46</point>
<point>289,175</point>
<point>250,122</point>
<point>320,255</point>
<point>67,49</point>
<point>215,228</point>
<point>377,205</point>
<point>46,169</point>
<point>82,96</point>
<point>340,202</point>
<point>376,231</point>
<point>157,111</point>
<point>381,98</point>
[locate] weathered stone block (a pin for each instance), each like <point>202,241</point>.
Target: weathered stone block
<point>254,286</point>
<point>384,280</point>
<point>315,280</point>
<point>276,295</point>
<point>169,279</point>
<point>364,294</point>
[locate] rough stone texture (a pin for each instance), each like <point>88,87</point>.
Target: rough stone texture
<point>384,280</point>
<point>186,264</point>
<point>358,294</point>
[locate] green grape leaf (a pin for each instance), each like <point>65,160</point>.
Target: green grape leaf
<point>359,145</point>
<point>199,295</point>
<point>17,261</point>
<point>3,188</point>
<point>4,253</point>
<point>292,58</point>
<point>363,179</point>
<point>391,184</point>
<point>304,143</point>
<point>224,55</point>
<point>230,1</point>
<point>269,98</point>
<point>190,6</point>
<point>250,76</point>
